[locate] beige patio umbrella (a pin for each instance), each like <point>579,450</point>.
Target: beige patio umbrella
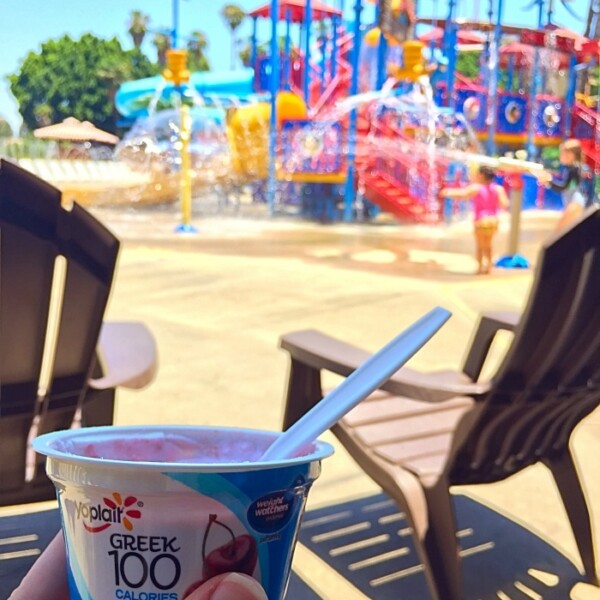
<point>71,129</point>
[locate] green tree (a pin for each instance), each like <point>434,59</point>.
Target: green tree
<point>196,45</point>
<point>468,64</point>
<point>112,71</point>
<point>162,42</point>
<point>245,54</point>
<point>43,114</point>
<point>138,27</point>
<point>75,78</point>
<point>233,15</point>
<point>5,128</point>
<point>592,84</point>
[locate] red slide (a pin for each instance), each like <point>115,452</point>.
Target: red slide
<point>397,181</point>
<point>591,118</point>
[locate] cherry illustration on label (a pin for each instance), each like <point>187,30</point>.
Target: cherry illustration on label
<point>238,555</point>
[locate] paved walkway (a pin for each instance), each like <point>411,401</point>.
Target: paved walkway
<point>217,302</point>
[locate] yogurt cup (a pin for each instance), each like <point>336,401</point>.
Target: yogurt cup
<point>155,512</point>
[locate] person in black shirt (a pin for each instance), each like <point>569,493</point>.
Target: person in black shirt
<point>568,181</point>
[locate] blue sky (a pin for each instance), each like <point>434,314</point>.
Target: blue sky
<point>28,23</point>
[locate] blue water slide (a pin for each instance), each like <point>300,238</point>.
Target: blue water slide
<point>133,97</point>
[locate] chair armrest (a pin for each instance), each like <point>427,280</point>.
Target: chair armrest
<point>489,325</point>
<point>322,352</point>
<point>127,353</point>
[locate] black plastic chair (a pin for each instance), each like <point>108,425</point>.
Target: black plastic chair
<point>56,272</point>
<point>424,432</point>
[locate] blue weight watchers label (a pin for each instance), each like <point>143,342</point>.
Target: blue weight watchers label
<point>272,512</point>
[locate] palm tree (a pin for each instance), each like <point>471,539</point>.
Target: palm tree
<point>197,44</point>
<point>138,27</point>
<point>233,15</point>
<point>162,42</point>
<point>245,54</point>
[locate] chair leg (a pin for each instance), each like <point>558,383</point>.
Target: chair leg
<point>567,480</point>
<point>442,565</point>
<point>303,392</point>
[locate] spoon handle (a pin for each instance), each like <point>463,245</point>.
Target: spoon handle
<point>377,369</point>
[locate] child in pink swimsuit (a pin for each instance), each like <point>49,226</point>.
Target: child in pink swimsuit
<point>488,198</point>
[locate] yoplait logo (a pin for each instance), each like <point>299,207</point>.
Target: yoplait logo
<point>112,511</point>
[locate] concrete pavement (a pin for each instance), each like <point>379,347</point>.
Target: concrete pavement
<point>217,302</point>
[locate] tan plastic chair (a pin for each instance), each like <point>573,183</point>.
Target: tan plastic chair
<point>424,432</point>
<point>58,361</point>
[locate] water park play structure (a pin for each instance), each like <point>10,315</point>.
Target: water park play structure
<point>344,119</point>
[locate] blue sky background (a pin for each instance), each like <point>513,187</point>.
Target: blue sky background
<point>28,23</point>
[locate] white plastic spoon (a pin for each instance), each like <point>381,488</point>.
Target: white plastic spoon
<point>377,369</point>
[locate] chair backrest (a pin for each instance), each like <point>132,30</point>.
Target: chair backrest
<point>51,311</point>
<point>550,377</point>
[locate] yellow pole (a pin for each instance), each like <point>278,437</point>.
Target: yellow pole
<point>178,74</point>
<point>185,190</point>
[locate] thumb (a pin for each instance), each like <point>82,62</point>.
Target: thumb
<point>229,586</point>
